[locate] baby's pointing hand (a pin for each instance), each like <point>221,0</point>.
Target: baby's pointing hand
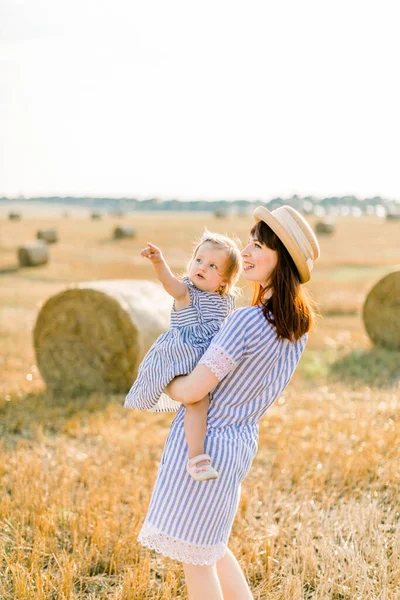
<point>152,253</point>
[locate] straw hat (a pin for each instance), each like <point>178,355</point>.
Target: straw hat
<point>295,234</point>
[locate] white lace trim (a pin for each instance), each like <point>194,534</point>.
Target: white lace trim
<point>216,359</point>
<point>178,549</point>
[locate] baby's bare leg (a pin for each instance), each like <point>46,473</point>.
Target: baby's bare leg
<point>195,424</point>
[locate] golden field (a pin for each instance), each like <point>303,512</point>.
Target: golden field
<point>319,516</point>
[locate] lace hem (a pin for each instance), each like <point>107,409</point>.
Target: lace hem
<point>178,549</point>
<point>216,359</point>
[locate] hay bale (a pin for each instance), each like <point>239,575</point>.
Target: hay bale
<point>381,312</point>
<point>124,231</point>
<point>221,213</point>
<point>33,254</point>
<point>95,216</point>
<point>47,235</point>
<point>94,336</point>
<point>392,216</point>
<point>326,227</point>
<point>13,216</point>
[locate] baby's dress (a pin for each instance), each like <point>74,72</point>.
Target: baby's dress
<point>178,350</point>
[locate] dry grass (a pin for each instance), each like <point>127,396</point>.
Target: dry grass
<point>319,516</point>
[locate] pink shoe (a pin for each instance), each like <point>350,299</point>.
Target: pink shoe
<point>203,472</point>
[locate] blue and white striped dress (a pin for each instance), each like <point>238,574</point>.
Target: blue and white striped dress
<point>190,520</point>
<point>178,350</point>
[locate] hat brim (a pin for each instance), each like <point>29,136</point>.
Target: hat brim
<point>263,214</point>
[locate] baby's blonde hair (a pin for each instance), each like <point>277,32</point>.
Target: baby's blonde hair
<point>234,259</point>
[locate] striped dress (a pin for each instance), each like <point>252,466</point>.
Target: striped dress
<point>178,350</point>
<point>189,520</point>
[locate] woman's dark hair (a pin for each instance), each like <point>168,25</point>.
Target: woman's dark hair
<point>290,309</point>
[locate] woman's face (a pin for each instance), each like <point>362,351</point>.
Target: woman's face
<point>258,261</point>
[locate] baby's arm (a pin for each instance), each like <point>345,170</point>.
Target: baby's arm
<point>177,289</point>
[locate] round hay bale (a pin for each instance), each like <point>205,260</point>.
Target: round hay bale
<point>326,227</point>
<point>381,312</point>
<point>94,336</point>
<point>124,231</point>
<point>13,216</point>
<point>33,254</point>
<point>95,216</point>
<point>221,213</point>
<point>47,235</point>
<point>392,216</point>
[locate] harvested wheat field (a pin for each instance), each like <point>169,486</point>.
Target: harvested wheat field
<point>319,516</point>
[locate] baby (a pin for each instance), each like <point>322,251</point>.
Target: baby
<point>202,300</point>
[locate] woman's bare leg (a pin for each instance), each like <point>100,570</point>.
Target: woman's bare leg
<point>202,582</point>
<point>195,424</point>
<point>231,577</point>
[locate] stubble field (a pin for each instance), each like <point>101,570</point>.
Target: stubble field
<point>319,516</point>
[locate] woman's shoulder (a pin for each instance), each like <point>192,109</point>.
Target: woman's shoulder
<point>244,317</point>
<point>249,312</point>
<point>251,321</point>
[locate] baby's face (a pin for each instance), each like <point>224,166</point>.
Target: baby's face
<point>208,267</point>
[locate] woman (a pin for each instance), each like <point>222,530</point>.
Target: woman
<point>247,366</point>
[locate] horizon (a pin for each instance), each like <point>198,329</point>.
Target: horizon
<point>157,200</point>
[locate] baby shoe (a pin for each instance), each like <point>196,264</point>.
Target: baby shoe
<point>203,472</point>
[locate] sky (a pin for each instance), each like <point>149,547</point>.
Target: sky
<point>215,99</point>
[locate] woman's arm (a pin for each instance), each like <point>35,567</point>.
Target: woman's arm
<point>191,388</point>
